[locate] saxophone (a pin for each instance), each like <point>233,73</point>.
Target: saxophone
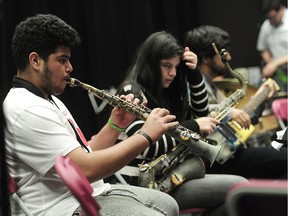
<point>221,110</point>
<point>226,133</point>
<point>171,169</point>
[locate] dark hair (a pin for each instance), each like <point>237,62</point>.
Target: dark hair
<point>268,5</point>
<point>43,34</point>
<point>145,74</point>
<point>200,40</point>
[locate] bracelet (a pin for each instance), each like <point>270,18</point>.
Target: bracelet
<point>116,127</point>
<point>150,141</point>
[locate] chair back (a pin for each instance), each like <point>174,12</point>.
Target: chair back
<point>13,187</point>
<point>279,108</point>
<point>258,197</point>
<point>78,184</point>
<point>192,211</point>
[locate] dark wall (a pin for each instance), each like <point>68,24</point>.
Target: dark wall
<point>242,19</point>
<point>4,198</point>
<point>111,31</point>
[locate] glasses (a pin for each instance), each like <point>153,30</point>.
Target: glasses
<point>222,53</point>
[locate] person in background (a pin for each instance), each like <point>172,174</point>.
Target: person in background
<point>254,162</point>
<point>272,42</point>
<point>211,66</point>
<point>160,73</point>
<point>39,128</point>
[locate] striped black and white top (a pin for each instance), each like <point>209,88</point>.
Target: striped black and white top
<point>198,107</point>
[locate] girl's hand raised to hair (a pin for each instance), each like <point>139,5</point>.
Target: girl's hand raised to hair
<point>190,59</point>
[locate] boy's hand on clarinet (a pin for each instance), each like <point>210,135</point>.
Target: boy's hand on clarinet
<point>121,117</point>
<point>159,122</point>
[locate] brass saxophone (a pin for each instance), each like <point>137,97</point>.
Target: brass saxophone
<point>189,138</point>
<point>221,110</point>
<point>171,169</point>
<point>225,132</point>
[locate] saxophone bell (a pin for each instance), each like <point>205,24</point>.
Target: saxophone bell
<point>171,169</point>
<point>198,145</point>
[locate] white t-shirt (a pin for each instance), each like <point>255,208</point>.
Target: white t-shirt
<point>37,132</point>
<point>274,39</point>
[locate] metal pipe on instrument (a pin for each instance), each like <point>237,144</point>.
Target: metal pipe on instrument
<point>223,54</point>
<point>171,169</point>
<point>189,138</point>
<point>221,111</point>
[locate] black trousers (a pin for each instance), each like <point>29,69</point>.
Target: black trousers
<point>255,162</point>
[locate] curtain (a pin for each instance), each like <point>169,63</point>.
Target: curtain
<point>112,30</point>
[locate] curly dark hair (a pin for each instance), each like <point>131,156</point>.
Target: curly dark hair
<point>200,40</point>
<point>42,33</point>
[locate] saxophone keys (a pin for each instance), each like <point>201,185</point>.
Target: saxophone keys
<point>184,135</point>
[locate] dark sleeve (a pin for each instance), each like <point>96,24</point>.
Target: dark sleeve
<point>191,125</point>
<point>194,77</point>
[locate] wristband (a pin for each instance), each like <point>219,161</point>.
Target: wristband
<point>150,141</point>
<point>116,127</point>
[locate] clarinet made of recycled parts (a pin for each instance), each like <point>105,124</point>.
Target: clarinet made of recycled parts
<point>166,166</point>
<point>199,145</point>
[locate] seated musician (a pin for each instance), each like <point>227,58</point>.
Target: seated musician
<point>248,162</point>
<point>39,128</point>
<point>159,74</point>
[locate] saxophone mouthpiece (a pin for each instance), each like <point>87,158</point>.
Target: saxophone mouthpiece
<point>73,82</point>
<point>68,80</point>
